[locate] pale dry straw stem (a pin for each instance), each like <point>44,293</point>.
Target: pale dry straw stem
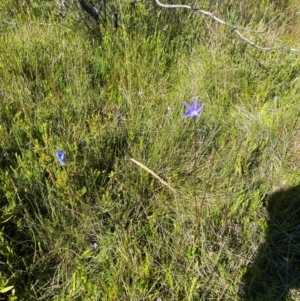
<point>154,175</point>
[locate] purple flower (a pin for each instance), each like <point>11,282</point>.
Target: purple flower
<point>61,157</point>
<point>95,10</point>
<point>94,245</point>
<point>193,110</point>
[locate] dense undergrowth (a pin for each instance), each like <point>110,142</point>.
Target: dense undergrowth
<point>105,96</point>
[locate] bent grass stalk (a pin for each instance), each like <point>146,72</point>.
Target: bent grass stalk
<point>154,175</point>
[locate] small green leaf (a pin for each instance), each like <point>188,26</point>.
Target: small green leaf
<point>6,289</point>
<point>87,254</point>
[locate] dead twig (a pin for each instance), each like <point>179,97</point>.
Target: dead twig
<point>235,29</point>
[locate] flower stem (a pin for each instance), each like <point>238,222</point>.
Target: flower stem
<point>195,182</point>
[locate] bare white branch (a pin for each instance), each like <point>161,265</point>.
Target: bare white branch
<point>235,29</point>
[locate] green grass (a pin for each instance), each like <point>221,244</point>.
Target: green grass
<point>106,100</point>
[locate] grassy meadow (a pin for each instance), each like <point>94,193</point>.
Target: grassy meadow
<point>205,214</point>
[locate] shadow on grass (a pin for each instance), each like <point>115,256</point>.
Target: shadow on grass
<point>276,268</point>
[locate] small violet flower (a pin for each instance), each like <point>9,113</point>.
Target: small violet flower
<point>193,110</point>
<point>61,157</point>
<point>94,245</point>
<point>95,10</point>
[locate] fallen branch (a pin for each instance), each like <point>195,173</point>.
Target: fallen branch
<point>234,28</point>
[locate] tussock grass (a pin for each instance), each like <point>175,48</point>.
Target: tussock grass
<point>107,101</point>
